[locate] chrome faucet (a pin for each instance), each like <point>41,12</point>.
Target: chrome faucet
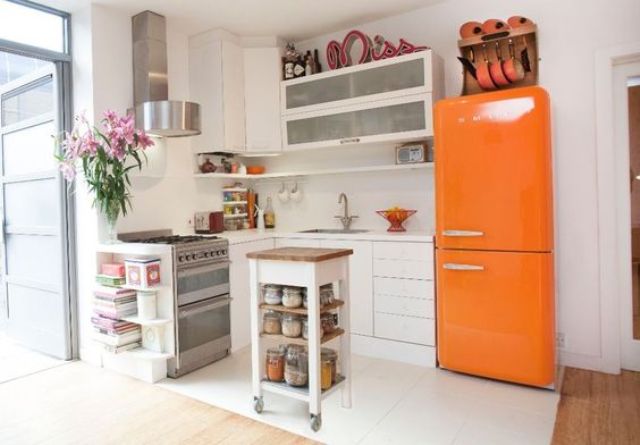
<point>346,219</point>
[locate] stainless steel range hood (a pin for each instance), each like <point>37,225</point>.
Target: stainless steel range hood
<point>154,113</point>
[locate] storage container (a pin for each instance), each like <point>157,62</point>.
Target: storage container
<point>147,304</point>
<point>296,366</point>
<point>272,294</point>
<point>331,356</point>
<point>142,273</point>
<point>271,323</point>
<point>291,325</point>
<point>292,297</point>
<point>153,338</point>
<point>275,364</point>
<point>112,270</point>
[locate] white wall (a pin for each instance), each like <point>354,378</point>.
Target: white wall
<point>569,34</point>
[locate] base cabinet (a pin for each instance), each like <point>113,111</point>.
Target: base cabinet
<point>240,298</point>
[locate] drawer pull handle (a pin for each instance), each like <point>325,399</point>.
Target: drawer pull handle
<point>462,233</point>
<point>349,140</point>
<point>455,266</point>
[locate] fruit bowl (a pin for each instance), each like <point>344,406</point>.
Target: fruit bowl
<point>396,216</point>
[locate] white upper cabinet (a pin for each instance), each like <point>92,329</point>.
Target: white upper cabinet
<point>389,100</point>
<point>216,82</point>
<point>262,73</point>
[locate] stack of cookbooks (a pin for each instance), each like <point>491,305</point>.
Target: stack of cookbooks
<point>111,304</point>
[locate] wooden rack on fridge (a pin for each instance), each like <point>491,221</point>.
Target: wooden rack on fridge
<point>473,48</point>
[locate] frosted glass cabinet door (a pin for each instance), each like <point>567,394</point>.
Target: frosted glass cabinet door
<point>370,122</point>
<point>405,75</point>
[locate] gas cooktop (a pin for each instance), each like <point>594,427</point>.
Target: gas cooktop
<point>174,239</point>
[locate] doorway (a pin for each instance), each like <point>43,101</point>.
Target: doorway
<point>36,224</point>
<point>626,97</point>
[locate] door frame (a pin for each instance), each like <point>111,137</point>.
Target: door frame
<point>609,204</point>
<point>64,88</point>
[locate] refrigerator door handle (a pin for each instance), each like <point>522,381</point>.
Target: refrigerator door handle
<point>456,266</point>
<point>462,233</point>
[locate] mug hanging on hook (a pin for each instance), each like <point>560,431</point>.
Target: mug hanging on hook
<point>283,194</point>
<point>296,193</point>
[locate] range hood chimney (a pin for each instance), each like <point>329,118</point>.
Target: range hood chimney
<point>154,113</point>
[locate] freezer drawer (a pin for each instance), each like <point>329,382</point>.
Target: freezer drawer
<point>493,172</point>
<point>496,315</point>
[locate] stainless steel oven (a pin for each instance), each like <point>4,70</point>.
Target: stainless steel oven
<point>201,276</point>
<point>203,333</point>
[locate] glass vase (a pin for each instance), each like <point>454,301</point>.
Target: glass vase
<point>112,231</point>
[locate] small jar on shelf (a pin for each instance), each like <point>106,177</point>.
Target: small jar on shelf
<point>291,325</point>
<point>271,323</point>
<point>296,365</point>
<point>275,363</point>
<point>292,296</point>
<point>272,294</point>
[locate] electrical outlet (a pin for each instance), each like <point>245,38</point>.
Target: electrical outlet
<point>190,222</point>
<point>560,340</point>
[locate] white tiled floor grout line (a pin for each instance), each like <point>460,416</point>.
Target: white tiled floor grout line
<point>392,407</point>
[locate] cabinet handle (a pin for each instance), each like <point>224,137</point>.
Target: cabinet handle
<point>462,233</point>
<point>349,140</point>
<point>455,266</point>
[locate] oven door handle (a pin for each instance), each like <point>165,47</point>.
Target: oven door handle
<point>209,267</point>
<point>204,307</point>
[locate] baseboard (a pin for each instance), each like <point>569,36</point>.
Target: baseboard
<point>590,362</point>
<point>394,350</point>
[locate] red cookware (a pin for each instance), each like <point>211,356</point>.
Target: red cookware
<point>493,26</point>
<point>483,72</point>
<point>495,69</point>
<point>470,29</point>
<point>512,67</point>
<point>516,21</point>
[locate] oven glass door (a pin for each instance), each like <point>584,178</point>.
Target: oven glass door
<point>199,283</point>
<point>203,322</point>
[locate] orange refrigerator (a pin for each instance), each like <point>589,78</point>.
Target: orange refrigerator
<point>494,236</point>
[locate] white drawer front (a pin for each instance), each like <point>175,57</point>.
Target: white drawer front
<point>409,329</point>
<point>403,251</point>
<point>404,288</point>
<point>415,307</point>
<point>419,270</point>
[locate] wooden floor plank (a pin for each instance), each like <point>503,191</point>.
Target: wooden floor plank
<point>598,409</point>
<point>81,404</point>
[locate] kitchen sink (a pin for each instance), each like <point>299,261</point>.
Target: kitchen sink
<point>344,231</point>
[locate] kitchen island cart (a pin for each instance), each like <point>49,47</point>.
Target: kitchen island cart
<point>309,268</point>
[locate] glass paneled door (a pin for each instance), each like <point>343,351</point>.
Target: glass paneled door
<point>35,277</point>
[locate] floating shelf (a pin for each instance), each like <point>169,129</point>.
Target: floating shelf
<point>300,310</point>
<point>330,171</point>
<point>148,289</point>
<point>301,341</point>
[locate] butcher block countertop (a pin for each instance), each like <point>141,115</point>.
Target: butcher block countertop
<point>305,254</point>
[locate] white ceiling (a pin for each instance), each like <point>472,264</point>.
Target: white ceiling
<point>292,19</point>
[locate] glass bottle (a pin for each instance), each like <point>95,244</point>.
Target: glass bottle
<point>269,215</point>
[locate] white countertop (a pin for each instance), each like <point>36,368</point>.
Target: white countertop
<point>245,236</point>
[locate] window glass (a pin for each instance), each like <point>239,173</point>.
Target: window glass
<point>13,66</point>
<point>31,26</point>
<point>33,101</point>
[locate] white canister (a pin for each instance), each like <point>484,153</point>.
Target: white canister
<point>153,338</point>
<point>147,308</point>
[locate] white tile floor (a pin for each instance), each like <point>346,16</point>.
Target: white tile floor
<point>393,403</point>
<point>17,361</point>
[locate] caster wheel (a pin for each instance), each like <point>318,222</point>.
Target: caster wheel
<point>316,422</point>
<point>258,404</point>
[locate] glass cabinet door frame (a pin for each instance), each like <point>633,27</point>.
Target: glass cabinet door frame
<point>425,87</point>
<point>403,136</point>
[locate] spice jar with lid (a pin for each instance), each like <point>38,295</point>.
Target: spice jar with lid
<point>332,356</point>
<point>272,294</point>
<point>296,365</point>
<point>291,325</point>
<point>292,296</point>
<point>275,364</point>
<point>271,323</point>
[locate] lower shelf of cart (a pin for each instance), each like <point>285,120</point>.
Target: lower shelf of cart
<point>300,393</point>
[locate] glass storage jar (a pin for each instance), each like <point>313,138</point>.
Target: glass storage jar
<point>326,294</point>
<point>326,371</point>
<point>296,365</point>
<point>292,296</point>
<point>291,325</point>
<point>271,323</point>
<point>327,323</point>
<point>272,294</point>
<point>332,356</point>
<point>275,364</point>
